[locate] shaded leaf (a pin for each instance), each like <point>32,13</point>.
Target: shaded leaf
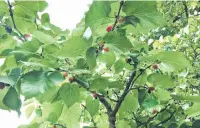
<point>91,57</point>
<point>34,83</point>
<point>12,100</point>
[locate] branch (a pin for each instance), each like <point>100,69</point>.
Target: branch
<point>106,104</point>
<point>129,86</point>
<point>100,97</point>
<point>117,16</point>
<point>186,9</point>
<point>82,83</point>
<point>125,92</point>
<point>13,20</point>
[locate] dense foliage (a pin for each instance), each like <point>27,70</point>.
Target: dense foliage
<point>132,64</point>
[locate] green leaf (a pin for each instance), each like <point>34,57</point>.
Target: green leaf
<point>161,81</point>
<point>193,111</point>
<point>196,124</point>
<point>142,96</point>
<point>74,47</point>
<point>91,57</point>
<point>56,77</point>
<point>117,41</point>
<point>162,95</point>
<point>184,125</point>
<point>29,109</point>
<point>15,74</point>
<point>170,60</point>
<point>2,30</point>
<point>34,6</point>
<point>20,12</point>
<point>45,18</point>
<point>31,46</point>
<point>7,43</point>
<point>71,116</point>
<point>44,38</point>
<point>70,93</point>
<point>7,80</point>
<point>54,109</point>
<point>2,95</point>
<point>9,63</point>
<point>81,63</point>
<point>3,9</point>
<point>173,125</point>
<point>142,79</point>
<point>147,14</point>
<point>48,96</point>
<point>150,102</point>
<point>131,20</point>
<point>35,125</point>
<point>99,83</point>
<point>187,98</point>
<point>108,58</point>
<point>116,84</point>
<point>98,14</point>
<point>12,100</point>
<point>50,49</point>
<point>35,83</point>
<point>24,25</point>
<point>38,112</point>
<point>119,66</point>
<point>102,123</point>
<point>92,105</point>
<point>123,124</point>
<point>130,103</point>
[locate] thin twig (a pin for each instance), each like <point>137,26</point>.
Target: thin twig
<point>141,72</point>
<point>151,118</point>
<point>167,119</point>
<point>115,94</point>
<point>35,21</point>
<point>13,20</point>
<point>92,119</point>
<point>117,16</point>
<point>136,120</point>
<point>111,99</point>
